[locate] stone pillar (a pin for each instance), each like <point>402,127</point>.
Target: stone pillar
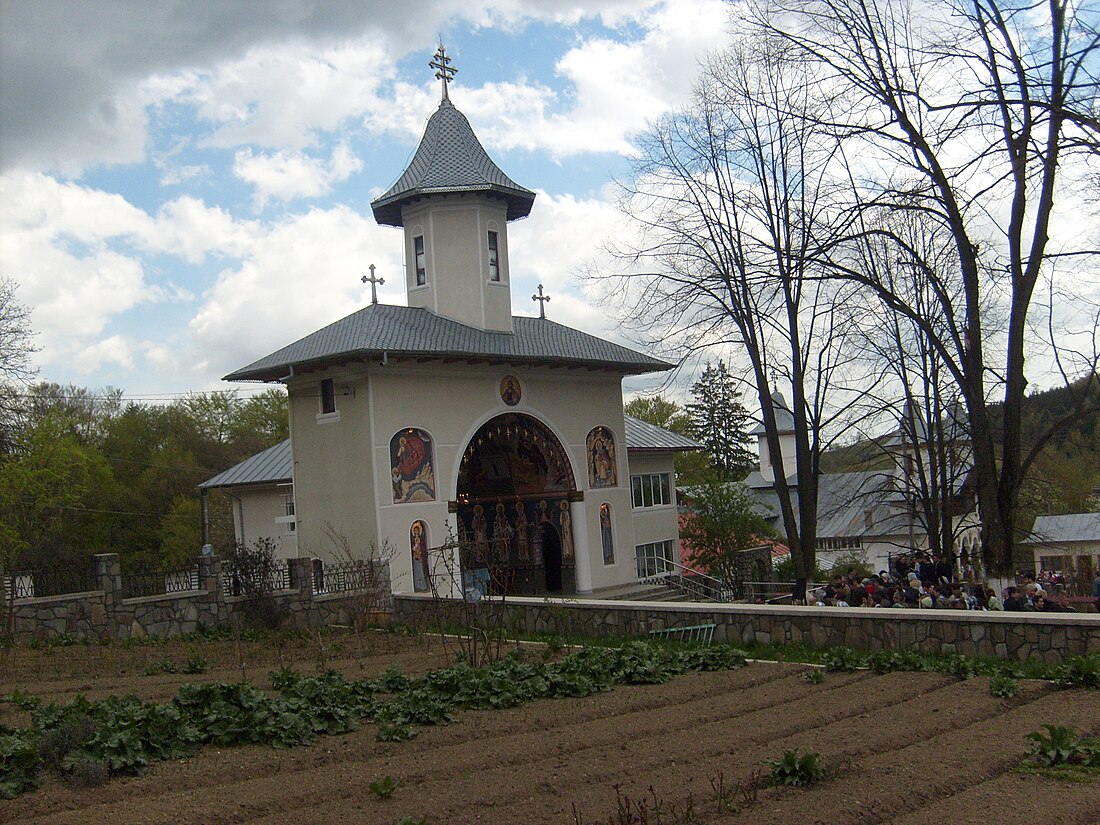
<point>108,577</point>
<point>583,559</point>
<point>301,576</point>
<point>210,580</point>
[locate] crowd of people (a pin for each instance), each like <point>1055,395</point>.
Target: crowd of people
<point>923,581</point>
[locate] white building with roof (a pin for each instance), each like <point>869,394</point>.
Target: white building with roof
<point>451,418</point>
<point>1060,543</point>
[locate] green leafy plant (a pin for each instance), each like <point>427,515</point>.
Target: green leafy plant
<point>845,659</point>
<point>1003,686</point>
<point>19,764</point>
<point>1059,746</point>
<point>408,820</point>
<point>383,788</point>
<point>814,677</point>
<point>1080,672</point>
<point>797,769</point>
<point>195,664</point>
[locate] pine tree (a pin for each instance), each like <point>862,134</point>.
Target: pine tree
<point>720,421</point>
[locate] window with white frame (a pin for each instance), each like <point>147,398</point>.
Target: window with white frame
<point>651,490</point>
<point>655,558</point>
<point>328,397</point>
<point>421,261</point>
<point>494,257</point>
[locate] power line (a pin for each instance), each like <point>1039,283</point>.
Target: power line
<point>113,512</point>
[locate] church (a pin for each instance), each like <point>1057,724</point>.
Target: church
<point>451,419</point>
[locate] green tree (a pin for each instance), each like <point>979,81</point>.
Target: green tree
<point>720,421</point>
<point>725,520</point>
<point>692,466</point>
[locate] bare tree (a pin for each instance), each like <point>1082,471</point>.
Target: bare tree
<point>979,115</point>
<point>729,196</point>
<point>16,349</point>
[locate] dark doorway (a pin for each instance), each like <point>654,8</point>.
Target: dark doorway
<point>551,558</point>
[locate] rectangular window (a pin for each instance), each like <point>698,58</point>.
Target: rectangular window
<point>651,490</point>
<point>655,559</point>
<point>328,397</point>
<point>494,258</point>
<point>421,265</point>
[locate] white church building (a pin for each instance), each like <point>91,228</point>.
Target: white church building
<point>450,418</point>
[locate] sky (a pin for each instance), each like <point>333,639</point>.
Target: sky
<point>185,185</point>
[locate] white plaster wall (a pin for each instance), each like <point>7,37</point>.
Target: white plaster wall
<point>339,461</point>
<point>254,512</point>
<point>455,230</point>
<point>655,523</point>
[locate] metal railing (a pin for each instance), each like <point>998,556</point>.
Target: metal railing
<point>697,634</point>
<point>160,582</point>
<point>774,592</point>
<point>692,583</point>
<point>29,584</point>
<point>257,581</point>
<point>341,578</point>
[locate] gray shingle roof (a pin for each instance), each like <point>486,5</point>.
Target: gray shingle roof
<point>1067,528</point>
<point>642,436</point>
<point>450,158</point>
<point>418,332</point>
<point>272,465</point>
<point>275,464</point>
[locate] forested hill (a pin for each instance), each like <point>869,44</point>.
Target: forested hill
<point>1065,474</point>
<point>82,472</point>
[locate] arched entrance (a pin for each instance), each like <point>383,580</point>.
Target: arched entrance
<point>514,487</point>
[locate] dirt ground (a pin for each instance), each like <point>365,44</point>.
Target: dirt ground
<point>900,748</point>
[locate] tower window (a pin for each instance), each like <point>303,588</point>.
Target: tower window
<point>421,266</point>
<point>494,257</point>
<point>328,397</point>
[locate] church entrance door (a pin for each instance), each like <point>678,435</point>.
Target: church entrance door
<point>551,552</point>
<point>515,484</point>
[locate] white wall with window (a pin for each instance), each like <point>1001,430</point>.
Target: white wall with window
<point>656,519</point>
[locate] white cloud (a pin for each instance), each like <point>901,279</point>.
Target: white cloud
<point>301,275</point>
<point>287,175</point>
<point>110,350</point>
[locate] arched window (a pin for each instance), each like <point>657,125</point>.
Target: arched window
<point>600,446</point>
<point>411,469</point>
<point>607,539</point>
<point>418,548</point>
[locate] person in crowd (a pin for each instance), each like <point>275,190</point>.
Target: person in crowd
<point>1096,590</point>
<point>992,600</point>
<point>1013,600</point>
<point>943,569</point>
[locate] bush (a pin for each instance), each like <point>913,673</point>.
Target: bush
<point>797,770</point>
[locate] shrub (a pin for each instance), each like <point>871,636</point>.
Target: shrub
<point>797,770</point>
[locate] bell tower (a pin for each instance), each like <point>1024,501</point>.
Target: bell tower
<point>455,204</point>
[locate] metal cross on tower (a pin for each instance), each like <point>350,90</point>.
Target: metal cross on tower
<point>374,284</point>
<point>542,299</point>
<point>444,70</point>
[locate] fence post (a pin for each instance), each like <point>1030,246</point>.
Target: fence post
<point>108,577</point>
<point>210,580</point>
<point>301,577</point>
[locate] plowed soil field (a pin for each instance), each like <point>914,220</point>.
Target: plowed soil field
<point>900,748</point>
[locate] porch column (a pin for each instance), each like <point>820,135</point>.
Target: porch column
<point>581,557</point>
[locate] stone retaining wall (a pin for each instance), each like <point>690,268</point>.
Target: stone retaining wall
<point>104,614</point>
<point>974,633</point>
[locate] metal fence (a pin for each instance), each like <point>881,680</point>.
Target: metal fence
<point>256,580</point>
<point>160,582</point>
<point>29,584</point>
<point>340,578</point>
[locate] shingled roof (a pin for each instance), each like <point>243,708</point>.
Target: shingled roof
<point>641,436</point>
<point>419,332</point>
<point>450,159</point>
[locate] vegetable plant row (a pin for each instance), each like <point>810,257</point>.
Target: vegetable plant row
<point>87,740</point>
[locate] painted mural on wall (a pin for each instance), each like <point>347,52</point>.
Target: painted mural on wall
<point>606,537</point>
<point>514,534</point>
<point>514,455</point>
<point>411,468</point>
<point>600,447</point>
<point>418,545</point>
<point>510,392</point>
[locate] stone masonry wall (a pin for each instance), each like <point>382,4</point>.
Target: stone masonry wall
<point>104,614</point>
<point>1003,635</point>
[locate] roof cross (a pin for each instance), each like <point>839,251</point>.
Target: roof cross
<point>542,299</point>
<point>444,70</point>
<point>374,284</point>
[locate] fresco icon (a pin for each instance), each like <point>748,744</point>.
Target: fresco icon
<point>411,467</point>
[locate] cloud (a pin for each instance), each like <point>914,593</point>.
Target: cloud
<point>110,350</point>
<point>287,175</point>
<point>301,275</point>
